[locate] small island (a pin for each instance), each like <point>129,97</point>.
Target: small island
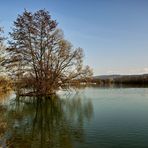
<point>38,60</point>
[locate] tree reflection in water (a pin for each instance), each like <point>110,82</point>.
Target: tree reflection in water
<point>40,122</point>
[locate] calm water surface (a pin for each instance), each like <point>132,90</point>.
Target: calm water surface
<point>90,118</point>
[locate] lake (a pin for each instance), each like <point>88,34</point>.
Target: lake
<point>88,118</point>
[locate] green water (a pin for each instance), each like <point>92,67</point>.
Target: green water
<point>89,118</point>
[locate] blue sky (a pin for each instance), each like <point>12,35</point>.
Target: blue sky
<point>113,33</point>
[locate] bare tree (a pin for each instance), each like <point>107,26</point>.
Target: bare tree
<point>40,55</point>
<point>1,37</point>
<point>2,51</point>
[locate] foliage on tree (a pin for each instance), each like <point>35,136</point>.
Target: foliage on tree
<point>40,57</point>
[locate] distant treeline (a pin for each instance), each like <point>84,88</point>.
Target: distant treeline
<point>121,79</point>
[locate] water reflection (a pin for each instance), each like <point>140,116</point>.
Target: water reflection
<point>39,122</point>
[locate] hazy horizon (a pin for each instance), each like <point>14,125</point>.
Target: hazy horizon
<point>113,34</point>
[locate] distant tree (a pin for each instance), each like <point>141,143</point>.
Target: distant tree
<point>39,54</point>
<point>1,31</point>
<point>2,51</point>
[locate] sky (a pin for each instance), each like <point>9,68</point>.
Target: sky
<point>113,33</point>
